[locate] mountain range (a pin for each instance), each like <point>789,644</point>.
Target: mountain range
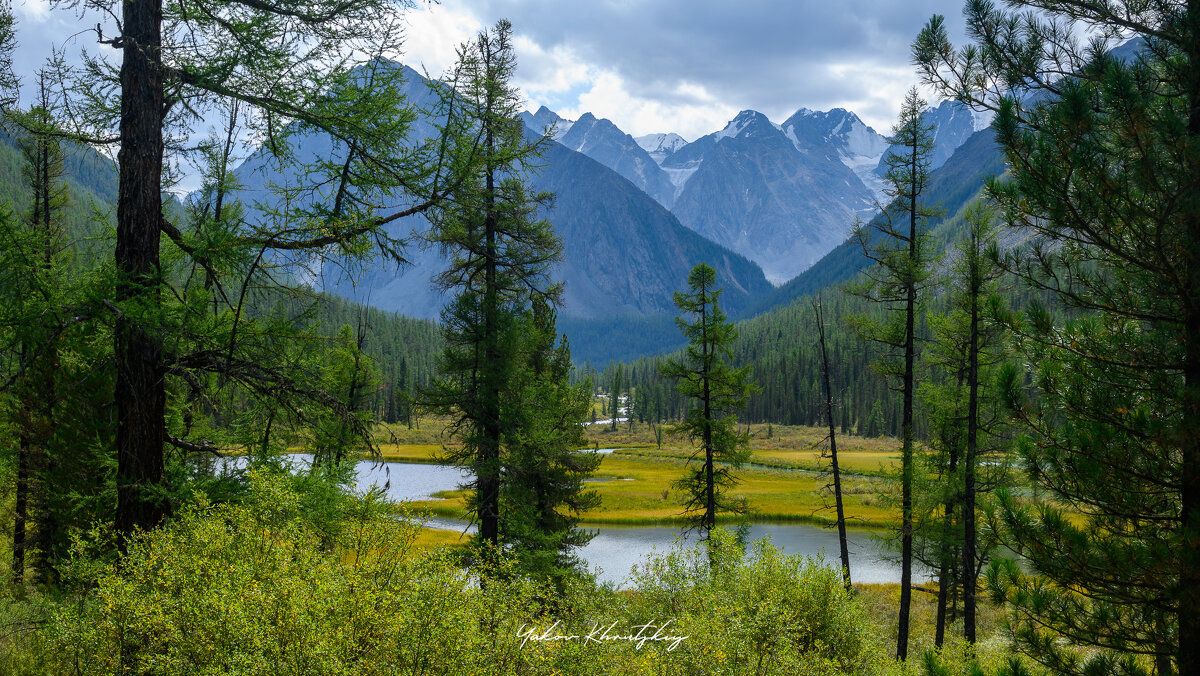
<point>635,215</point>
<point>623,252</point>
<point>782,195</point>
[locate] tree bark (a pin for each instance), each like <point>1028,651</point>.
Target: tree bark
<point>140,393</point>
<point>970,581</point>
<point>906,460</point>
<point>843,545</point>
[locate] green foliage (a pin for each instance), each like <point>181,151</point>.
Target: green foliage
<point>1104,181</point>
<point>766,613</point>
<point>902,263</point>
<point>511,406</point>
<point>717,392</point>
<point>258,588</point>
<point>963,461</point>
<point>543,493</point>
<point>350,377</point>
<point>255,588</point>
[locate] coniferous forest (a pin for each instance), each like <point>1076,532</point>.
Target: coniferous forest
<point>219,455</point>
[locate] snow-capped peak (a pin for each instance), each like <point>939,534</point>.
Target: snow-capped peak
<point>743,121</point>
<point>543,118</point>
<point>661,143</point>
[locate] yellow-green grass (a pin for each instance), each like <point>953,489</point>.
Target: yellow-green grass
<point>880,601</point>
<point>436,538</point>
<point>418,453</point>
<point>640,491</point>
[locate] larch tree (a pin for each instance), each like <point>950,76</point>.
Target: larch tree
<point>716,392</point>
<point>895,242</point>
<point>1103,148</point>
<point>543,492</point>
<point>500,258</point>
<point>964,457</point>
<point>53,339</point>
<point>35,248</point>
<point>298,69</point>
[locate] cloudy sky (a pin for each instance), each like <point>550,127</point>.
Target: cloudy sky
<point>689,66</point>
<point>686,66</point>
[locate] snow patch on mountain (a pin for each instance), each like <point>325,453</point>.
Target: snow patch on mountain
<point>680,175</point>
<point>544,118</point>
<point>983,118</point>
<point>858,146</point>
<point>735,126</point>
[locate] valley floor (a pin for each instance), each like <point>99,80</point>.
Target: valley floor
<point>786,479</point>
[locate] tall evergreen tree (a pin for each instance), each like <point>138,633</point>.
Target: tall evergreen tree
<point>54,377</point>
<point>717,392</point>
<point>967,430</point>
<point>500,257</point>
<point>350,377</point>
<point>615,397</point>
<point>544,469</point>
<point>1105,181</point>
<point>895,241</point>
<point>39,348</point>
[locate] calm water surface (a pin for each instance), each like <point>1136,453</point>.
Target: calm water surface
<point>615,550</point>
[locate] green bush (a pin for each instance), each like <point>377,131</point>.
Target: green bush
<point>764,614</point>
<point>264,586</point>
<point>255,588</point>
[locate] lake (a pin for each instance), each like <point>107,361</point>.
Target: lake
<point>617,549</point>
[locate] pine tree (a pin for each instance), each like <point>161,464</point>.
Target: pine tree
<point>895,241</point>
<point>717,392</point>
<point>1105,183</point>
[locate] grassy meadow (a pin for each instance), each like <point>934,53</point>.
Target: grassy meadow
<point>787,478</point>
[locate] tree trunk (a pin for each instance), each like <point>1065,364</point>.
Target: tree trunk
<point>140,394</point>
<point>710,498</point>
<point>489,452</point>
<point>906,452</point>
<point>20,510</point>
<point>970,581</point>
<point>843,545</point>
<point>1189,577</point>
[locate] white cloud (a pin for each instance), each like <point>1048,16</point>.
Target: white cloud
<point>33,11</point>
<point>434,34</point>
<point>548,76</point>
<point>610,97</point>
<point>880,89</point>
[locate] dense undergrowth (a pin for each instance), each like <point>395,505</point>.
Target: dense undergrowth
<point>276,583</point>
